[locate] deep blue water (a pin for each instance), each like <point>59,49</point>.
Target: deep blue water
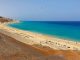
<point>61,29</point>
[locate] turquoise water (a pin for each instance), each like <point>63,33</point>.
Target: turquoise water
<point>66,30</point>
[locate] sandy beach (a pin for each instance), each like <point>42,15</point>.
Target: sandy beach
<point>16,44</point>
<point>12,49</point>
<point>31,38</point>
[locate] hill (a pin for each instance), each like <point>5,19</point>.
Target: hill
<point>3,19</point>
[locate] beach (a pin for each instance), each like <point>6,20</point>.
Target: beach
<point>18,44</point>
<point>31,38</point>
<point>12,49</point>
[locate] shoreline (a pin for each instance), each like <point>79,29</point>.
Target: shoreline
<point>36,38</point>
<point>51,35</point>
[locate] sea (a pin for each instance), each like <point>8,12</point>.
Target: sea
<point>61,29</point>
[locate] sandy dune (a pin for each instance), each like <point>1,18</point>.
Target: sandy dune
<point>11,49</point>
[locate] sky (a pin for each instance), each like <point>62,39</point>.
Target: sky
<point>43,10</point>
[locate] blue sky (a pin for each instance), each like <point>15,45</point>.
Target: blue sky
<point>41,9</point>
